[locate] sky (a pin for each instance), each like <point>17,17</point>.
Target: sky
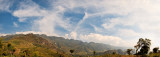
<point>114,22</point>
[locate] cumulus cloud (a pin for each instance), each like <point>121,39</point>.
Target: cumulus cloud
<point>112,40</point>
<point>47,19</point>
<point>29,9</point>
<point>73,35</point>
<point>142,15</point>
<point>66,36</point>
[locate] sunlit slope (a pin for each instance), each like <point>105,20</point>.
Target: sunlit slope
<point>33,44</point>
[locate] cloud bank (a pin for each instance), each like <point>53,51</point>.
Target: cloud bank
<point>112,22</point>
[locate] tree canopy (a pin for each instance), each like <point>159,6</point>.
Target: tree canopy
<point>143,46</point>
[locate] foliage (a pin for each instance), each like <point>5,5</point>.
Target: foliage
<point>155,50</point>
<point>81,48</point>
<point>129,51</point>
<point>143,45</point>
<point>28,46</point>
<point>31,45</point>
<point>6,49</point>
<point>71,51</point>
<point>94,52</point>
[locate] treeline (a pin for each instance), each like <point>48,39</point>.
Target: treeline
<point>142,48</point>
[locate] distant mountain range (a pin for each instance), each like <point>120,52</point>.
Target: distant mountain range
<point>59,45</point>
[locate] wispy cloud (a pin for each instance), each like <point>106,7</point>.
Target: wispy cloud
<point>5,5</point>
<point>15,24</point>
<point>103,20</point>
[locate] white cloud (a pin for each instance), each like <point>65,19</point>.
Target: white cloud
<point>5,5</point>
<point>112,40</point>
<point>97,29</point>
<point>127,33</point>
<point>22,19</point>
<point>28,9</point>
<point>34,32</point>
<point>48,19</point>
<point>141,15</point>
<point>111,23</point>
<point>15,24</point>
<point>66,36</point>
<point>3,34</point>
<point>73,35</point>
<point>81,21</point>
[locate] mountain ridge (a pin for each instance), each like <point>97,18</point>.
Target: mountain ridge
<point>60,45</point>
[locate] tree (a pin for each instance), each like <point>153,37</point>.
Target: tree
<point>143,45</point>
<point>27,52</point>
<point>129,51</point>
<point>94,52</point>
<point>71,51</point>
<point>11,48</point>
<point>155,50</point>
<point>114,53</point>
<point>1,45</point>
<point>139,43</point>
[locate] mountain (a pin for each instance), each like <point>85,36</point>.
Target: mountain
<point>56,46</point>
<point>29,45</point>
<point>81,48</point>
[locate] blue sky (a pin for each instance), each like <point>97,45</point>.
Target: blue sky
<point>113,22</point>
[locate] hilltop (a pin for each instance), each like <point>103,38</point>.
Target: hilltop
<point>42,45</point>
<point>30,45</point>
<point>82,48</point>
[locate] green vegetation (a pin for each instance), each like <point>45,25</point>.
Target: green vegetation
<point>81,48</point>
<point>28,46</point>
<point>71,51</point>
<point>31,45</point>
<point>143,45</point>
<point>155,50</point>
<point>129,51</point>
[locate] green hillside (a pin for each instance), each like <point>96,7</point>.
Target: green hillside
<point>81,48</point>
<point>29,46</point>
<point>50,46</point>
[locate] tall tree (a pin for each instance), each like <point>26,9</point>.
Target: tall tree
<point>139,43</point>
<point>143,45</point>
